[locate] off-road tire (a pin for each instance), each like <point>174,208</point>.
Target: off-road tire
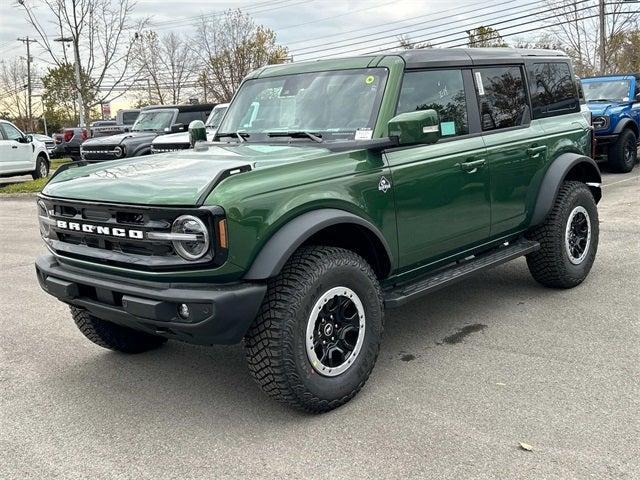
<point>42,168</point>
<point>618,159</point>
<point>276,341</point>
<point>112,336</point>
<point>551,265</point>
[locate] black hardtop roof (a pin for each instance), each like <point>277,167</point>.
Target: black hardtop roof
<point>473,56</point>
<point>199,107</point>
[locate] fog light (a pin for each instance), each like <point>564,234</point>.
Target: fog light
<point>183,311</point>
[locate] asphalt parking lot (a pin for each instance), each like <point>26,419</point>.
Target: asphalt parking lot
<point>463,377</point>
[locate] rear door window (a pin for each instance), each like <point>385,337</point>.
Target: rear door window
<point>187,117</point>
<point>553,89</point>
<point>439,90</point>
<point>502,97</point>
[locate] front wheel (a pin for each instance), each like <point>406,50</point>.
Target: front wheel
<point>42,168</point>
<point>317,335</point>
<point>568,239</point>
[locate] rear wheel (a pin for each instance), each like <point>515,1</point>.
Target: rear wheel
<point>623,154</point>
<point>113,336</point>
<point>42,168</point>
<point>317,335</point>
<point>568,239</point>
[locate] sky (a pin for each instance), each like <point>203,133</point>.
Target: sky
<point>311,29</point>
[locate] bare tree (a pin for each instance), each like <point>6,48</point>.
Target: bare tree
<point>168,62</point>
<point>406,43</point>
<point>575,27</point>
<point>231,46</point>
<point>13,90</point>
<point>102,35</point>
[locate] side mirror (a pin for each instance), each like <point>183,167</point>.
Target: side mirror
<point>197,132</point>
<point>177,127</point>
<point>418,127</point>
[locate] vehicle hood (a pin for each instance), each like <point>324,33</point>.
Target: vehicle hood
<point>174,178</point>
<point>121,138</point>
<point>604,108</point>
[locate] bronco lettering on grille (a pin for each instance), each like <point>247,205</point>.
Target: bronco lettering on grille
<point>100,230</point>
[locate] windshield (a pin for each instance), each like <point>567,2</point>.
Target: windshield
<point>340,104</point>
<point>607,90</point>
<point>215,117</point>
<point>153,120</point>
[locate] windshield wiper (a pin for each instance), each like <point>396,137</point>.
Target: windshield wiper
<point>316,137</point>
<point>239,135</point>
<point>601,100</point>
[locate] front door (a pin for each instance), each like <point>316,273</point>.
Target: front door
<point>442,190</point>
<point>16,151</point>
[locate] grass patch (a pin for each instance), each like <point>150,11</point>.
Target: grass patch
<point>33,186</point>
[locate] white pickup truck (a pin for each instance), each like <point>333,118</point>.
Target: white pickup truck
<point>21,154</point>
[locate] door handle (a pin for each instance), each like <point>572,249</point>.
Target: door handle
<point>14,146</point>
<point>534,151</point>
<point>472,167</point>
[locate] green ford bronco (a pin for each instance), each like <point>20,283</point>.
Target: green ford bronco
<point>333,190</point>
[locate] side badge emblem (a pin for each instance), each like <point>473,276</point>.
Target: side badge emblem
<point>384,185</point>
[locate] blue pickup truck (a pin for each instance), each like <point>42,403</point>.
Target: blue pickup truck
<point>614,101</point>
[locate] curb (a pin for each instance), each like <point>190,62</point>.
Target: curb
<point>18,195</point>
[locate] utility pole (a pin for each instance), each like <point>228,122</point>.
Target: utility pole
<point>28,41</point>
<point>76,56</point>
<point>601,14</point>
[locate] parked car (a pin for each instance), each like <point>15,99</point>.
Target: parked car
<point>152,122</point>
<point>336,189</point>
<point>614,101</point>
<point>21,154</point>
<point>180,141</point>
<point>125,119</point>
<point>48,142</point>
<point>68,142</point>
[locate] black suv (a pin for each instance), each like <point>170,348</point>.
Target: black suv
<point>152,121</point>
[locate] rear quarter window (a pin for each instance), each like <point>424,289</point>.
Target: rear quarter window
<point>553,89</point>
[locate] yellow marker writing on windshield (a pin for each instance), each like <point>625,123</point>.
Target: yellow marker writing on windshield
<point>369,80</point>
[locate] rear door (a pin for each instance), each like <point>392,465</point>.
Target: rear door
<point>441,190</point>
<point>17,152</point>
<point>516,148</point>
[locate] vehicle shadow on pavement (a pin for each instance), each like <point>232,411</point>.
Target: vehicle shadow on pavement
<point>181,382</point>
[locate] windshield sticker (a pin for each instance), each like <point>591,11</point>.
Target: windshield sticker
<point>364,134</point>
<point>370,79</point>
<point>448,128</point>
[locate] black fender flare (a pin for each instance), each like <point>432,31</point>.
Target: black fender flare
<point>624,123</point>
<point>556,174</point>
<point>293,234</point>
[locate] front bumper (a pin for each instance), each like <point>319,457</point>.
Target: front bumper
<point>219,314</point>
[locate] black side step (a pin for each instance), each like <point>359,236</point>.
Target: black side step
<point>443,277</point>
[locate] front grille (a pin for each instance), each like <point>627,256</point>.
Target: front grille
<point>118,234</point>
<point>169,147</point>
<point>98,152</point>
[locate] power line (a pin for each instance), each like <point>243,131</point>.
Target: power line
<point>377,32</point>
<point>430,38</point>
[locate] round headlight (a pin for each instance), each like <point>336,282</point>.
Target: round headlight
<point>43,215</point>
<point>197,245</point>
<point>118,151</point>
